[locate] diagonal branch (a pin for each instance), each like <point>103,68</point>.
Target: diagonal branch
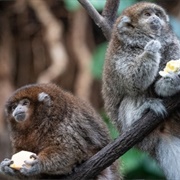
<point>106,20</point>
<point>123,143</point>
<point>110,11</point>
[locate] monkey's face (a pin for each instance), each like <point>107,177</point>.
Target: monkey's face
<point>141,22</point>
<point>20,110</point>
<point>152,20</point>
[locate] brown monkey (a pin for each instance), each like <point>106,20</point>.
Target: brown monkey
<point>61,129</point>
<point>142,43</point>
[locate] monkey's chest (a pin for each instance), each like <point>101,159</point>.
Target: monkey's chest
<point>28,142</point>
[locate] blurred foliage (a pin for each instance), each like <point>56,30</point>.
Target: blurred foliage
<point>138,165</point>
<point>73,5</point>
<point>98,60</point>
<point>175,23</point>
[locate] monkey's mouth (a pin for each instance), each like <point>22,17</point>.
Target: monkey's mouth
<point>20,116</point>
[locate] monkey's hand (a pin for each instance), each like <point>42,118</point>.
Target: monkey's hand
<point>31,167</point>
<point>157,106</point>
<point>5,167</point>
<point>168,85</point>
<point>153,47</point>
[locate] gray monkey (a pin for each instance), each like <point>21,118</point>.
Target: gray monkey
<point>141,44</point>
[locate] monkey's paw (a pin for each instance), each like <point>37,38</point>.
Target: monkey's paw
<point>31,167</point>
<point>4,167</point>
<point>153,46</point>
<point>157,106</point>
<point>168,85</point>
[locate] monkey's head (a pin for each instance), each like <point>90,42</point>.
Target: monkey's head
<point>147,19</point>
<point>29,103</point>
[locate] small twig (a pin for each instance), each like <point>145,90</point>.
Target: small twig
<point>123,143</point>
<point>109,14</point>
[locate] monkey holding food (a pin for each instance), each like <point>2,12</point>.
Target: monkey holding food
<point>141,44</point>
<point>59,129</point>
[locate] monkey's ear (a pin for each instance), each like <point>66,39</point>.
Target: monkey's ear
<point>167,18</point>
<point>44,97</point>
<point>124,22</point>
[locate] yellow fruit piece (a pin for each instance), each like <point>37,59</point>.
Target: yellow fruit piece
<point>19,159</point>
<point>172,66</point>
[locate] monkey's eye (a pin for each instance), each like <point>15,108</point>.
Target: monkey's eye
<point>25,102</point>
<point>158,14</point>
<point>13,107</point>
<point>147,14</point>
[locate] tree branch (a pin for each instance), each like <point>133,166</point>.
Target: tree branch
<point>110,11</point>
<point>106,20</point>
<point>123,143</point>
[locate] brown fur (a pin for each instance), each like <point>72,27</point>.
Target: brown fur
<point>63,135</point>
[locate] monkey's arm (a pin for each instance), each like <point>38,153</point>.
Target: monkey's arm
<point>139,74</point>
<point>52,160</point>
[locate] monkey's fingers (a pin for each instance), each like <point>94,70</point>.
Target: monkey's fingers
<point>35,169</point>
<point>33,156</point>
<point>4,167</point>
<point>6,162</point>
<point>33,160</point>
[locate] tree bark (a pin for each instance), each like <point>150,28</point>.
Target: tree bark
<point>106,20</point>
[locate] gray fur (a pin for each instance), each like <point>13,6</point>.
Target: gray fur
<point>140,47</point>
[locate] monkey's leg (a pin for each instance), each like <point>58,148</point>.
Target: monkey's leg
<point>132,110</point>
<point>168,155</point>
